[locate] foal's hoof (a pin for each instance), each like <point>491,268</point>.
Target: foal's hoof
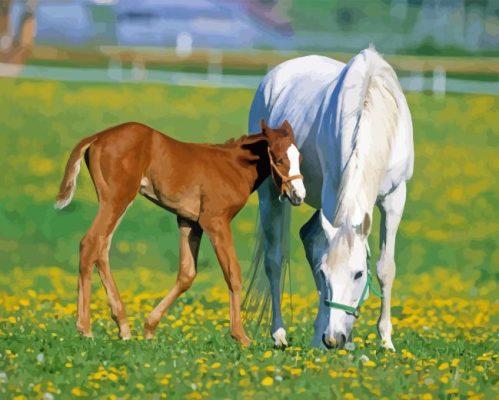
<point>88,335</point>
<point>279,337</point>
<point>125,333</point>
<point>242,339</point>
<point>148,331</point>
<point>84,329</point>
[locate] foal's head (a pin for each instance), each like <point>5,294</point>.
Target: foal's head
<point>284,160</point>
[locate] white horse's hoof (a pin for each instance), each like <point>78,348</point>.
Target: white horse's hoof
<point>387,344</point>
<point>279,337</point>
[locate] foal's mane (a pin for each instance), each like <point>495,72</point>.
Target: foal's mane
<point>245,140</point>
<point>247,148</point>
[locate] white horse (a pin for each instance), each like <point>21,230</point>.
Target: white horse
<point>353,128</point>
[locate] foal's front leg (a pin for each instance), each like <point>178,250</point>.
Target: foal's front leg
<point>221,239</point>
<point>391,208</point>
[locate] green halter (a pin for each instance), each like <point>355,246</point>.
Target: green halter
<point>355,310</point>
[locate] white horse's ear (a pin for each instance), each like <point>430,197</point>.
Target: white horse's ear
<point>366,225</point>
<point>328,228</point>
<point>364,228</point>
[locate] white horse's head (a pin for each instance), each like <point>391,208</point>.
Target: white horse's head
<point>346,277</point>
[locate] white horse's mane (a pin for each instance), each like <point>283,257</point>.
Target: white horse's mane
<point>375,129</point>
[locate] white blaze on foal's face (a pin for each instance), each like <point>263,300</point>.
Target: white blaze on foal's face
<point>298,188</point>
<point>285,161</point>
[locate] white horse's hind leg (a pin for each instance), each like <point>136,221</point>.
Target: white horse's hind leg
<point>272,219</point>
<point>391,208</point>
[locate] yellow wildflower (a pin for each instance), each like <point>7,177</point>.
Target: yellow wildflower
<point>443,366</point>
<point>112,377</point>
<point>76,391</point>
<point>267,381</point>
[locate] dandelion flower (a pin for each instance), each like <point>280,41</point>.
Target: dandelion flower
<point>268,381</point>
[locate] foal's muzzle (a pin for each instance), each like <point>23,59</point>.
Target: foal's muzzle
<point>291,194</point>
<point>294,198</point>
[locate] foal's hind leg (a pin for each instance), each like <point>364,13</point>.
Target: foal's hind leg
<point>116,174</point>
<point>94,249</point>
<point>391,208</point>
<point>190,238</point>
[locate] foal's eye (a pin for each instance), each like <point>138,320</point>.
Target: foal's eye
<point>278,162</point>
<point>358,275</point>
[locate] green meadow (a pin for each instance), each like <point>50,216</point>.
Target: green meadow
<point>445,296</point>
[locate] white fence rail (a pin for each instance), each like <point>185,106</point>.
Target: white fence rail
<point>438,83</point>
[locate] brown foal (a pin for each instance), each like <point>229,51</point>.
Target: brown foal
<point>205,185</point>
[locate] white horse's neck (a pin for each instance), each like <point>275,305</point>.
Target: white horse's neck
<point>375,129</point>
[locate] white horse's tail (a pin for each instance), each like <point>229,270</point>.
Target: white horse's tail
<point>256,304</point>
<point>374,127</point>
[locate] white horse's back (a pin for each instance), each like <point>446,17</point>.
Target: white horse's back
<point>294,88</point>
<point>312,91</point>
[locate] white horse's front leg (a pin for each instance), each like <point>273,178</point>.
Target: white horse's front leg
<point>315,245</point>
<point>391,208</point>
<point>272,219</point>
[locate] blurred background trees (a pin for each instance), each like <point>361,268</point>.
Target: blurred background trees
<point>17,35</point>
<point>396,26</point>
<point>431,43</point>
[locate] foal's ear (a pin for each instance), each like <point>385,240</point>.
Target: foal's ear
<point>263,126</point>
<point>287,127</point>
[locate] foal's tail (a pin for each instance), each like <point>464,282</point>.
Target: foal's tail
<point>68,184</point>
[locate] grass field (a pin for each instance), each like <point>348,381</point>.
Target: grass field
<point>445,296</point>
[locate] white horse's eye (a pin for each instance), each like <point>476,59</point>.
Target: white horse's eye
<point>358,275</point>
